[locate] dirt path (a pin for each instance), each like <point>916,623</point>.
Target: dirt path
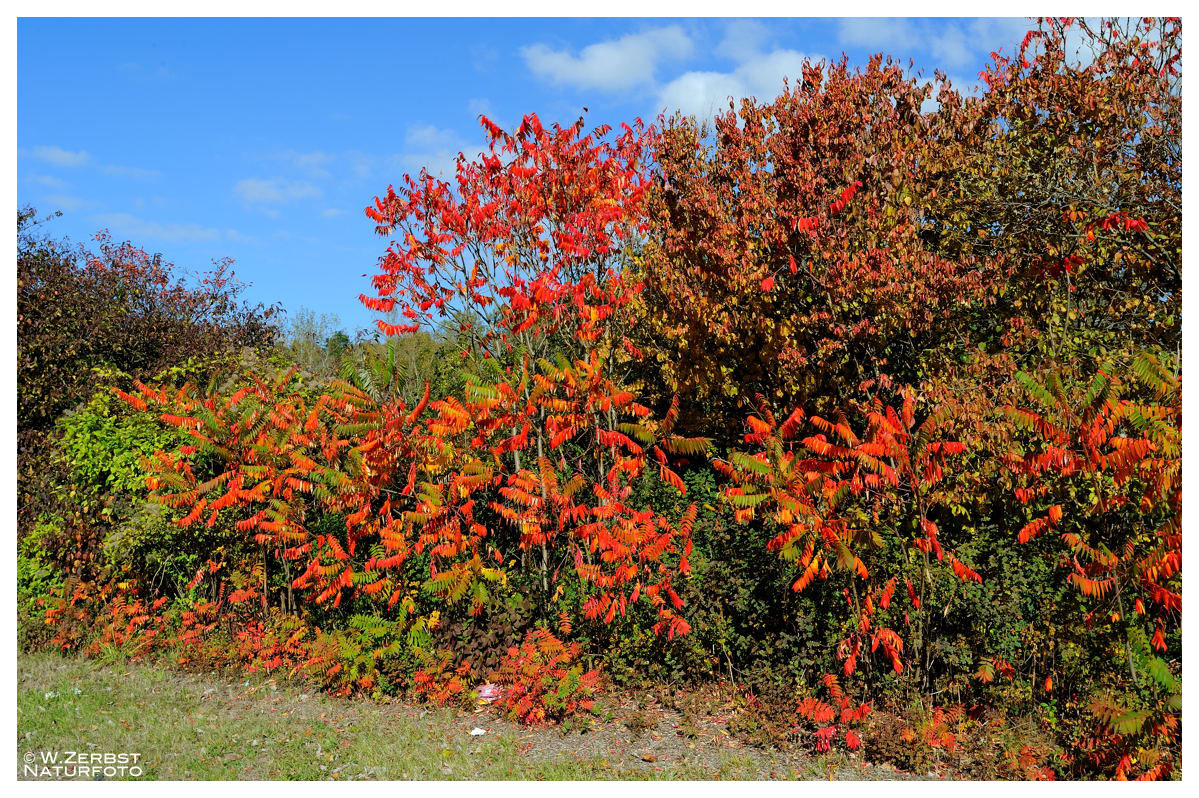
<point>648,736</point>
<point>189,726</point>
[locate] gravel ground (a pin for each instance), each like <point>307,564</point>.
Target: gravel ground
<point>635,734</point>
<point>203,726</point>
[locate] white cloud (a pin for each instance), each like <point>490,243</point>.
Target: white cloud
<point>483,57</point>
<point>67,202</point>
<point>431,147</point>
<point>760,75</point>
<point>427,137</point>
<point>947,44</point>
<point>763,75</point>
<point>877,32</point>
<point>135,172</point>
<point>700,94</point>
<point>315,164</point>
<point>481,106</point>
<point>330,213</point>
<point>1001,33</point>
<point>126,224</point>
<point>743,39</point>
<point>951,47</point>
<point>362,164</point>
<point>240,237</point>
<point>321,173</point>
<point>60,157</point>
<point>423,145</point>
<point>156,201</point>
<point>313,167</point>
<point>615,65</point>
<point>274,190</point>
<point>48,181</point>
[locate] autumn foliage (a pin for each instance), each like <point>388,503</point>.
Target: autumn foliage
<point>878,379</point>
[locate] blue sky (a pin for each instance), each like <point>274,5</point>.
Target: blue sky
<point>262,140</point>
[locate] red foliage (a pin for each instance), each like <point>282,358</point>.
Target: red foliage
<point>529,235</point>
<point>830,718</point>
<point>543,682</point>
<point>808,487</point>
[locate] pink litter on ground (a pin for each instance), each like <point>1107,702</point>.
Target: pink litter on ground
<point>489,692</point>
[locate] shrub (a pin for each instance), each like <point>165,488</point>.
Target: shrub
<point>542,682</point>
<point>108,617</point>
<point>371,655</point>
<point>976,744</point>
<point>116,306</point>
<point>82,313</point>
<point>975,494</point>
<point>440,681</point>
<point>281,642</point>
<point>836,718</point>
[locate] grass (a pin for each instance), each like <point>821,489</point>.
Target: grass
<point>191,727</point>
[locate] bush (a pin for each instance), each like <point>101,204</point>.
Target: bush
<point>442,679</point>
<point>542,682</point>
<point>977,744</point>
<point>371,655</point>
<point>84,315</point>
<point>939,359</point>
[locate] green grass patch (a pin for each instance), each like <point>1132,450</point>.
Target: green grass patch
<point>190,727</point>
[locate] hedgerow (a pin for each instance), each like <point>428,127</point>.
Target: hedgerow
<point>842,397</point>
